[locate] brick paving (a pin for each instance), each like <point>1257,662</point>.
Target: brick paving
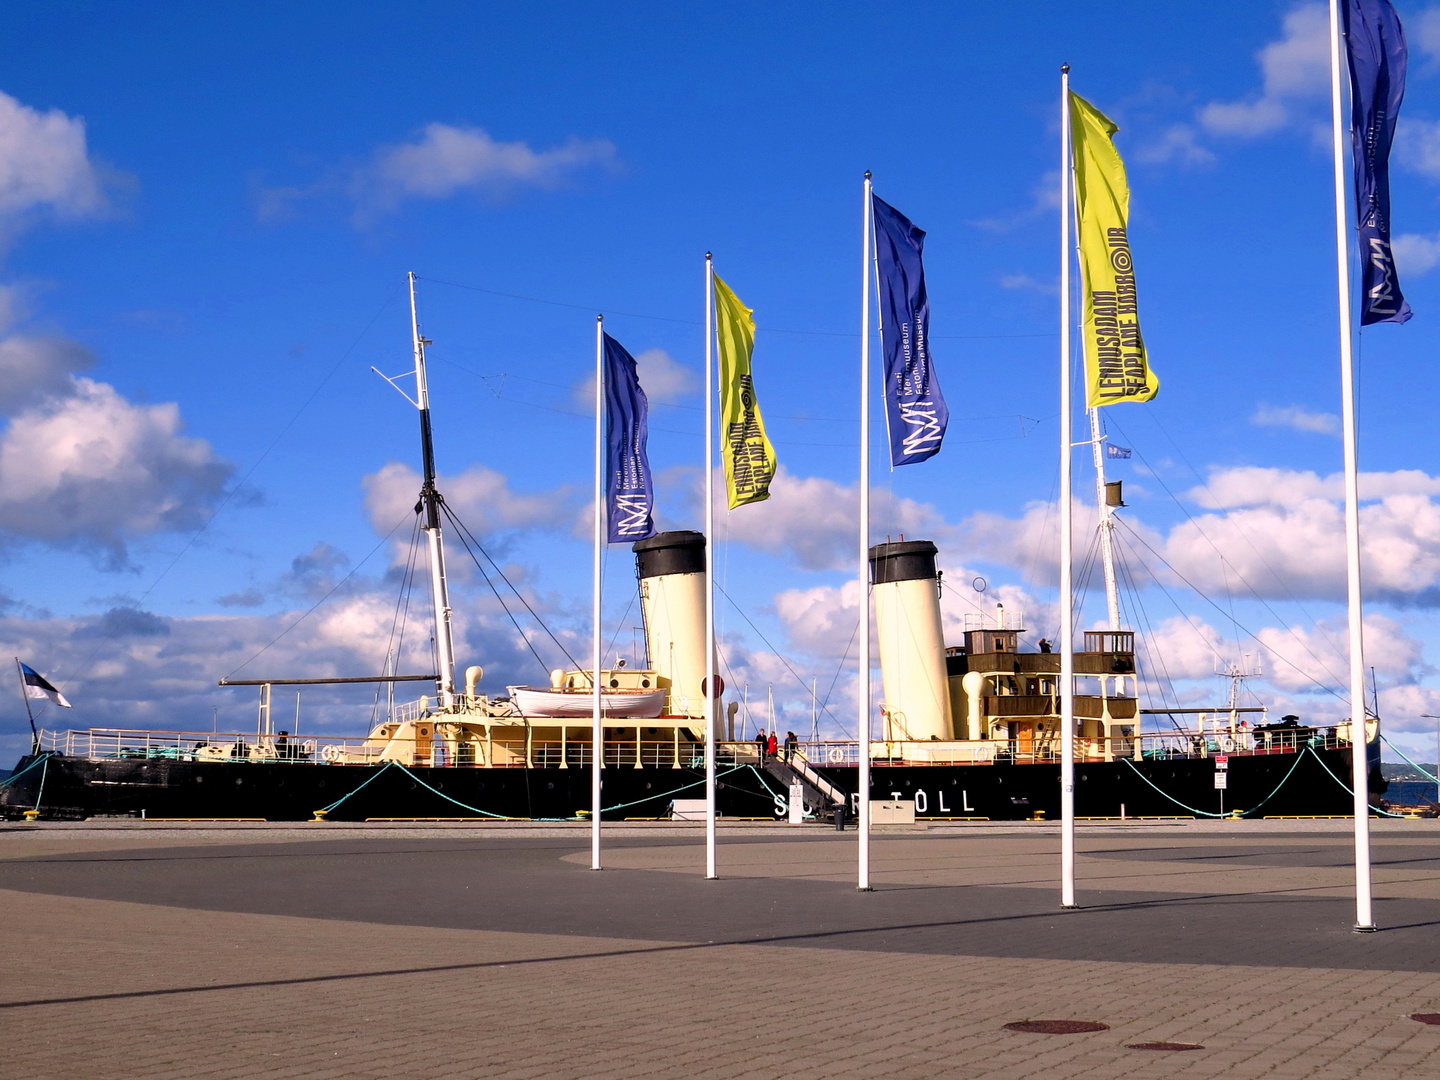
<point>201,982</point>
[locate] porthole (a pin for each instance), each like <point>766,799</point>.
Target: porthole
<point>645,684</point>
<point>550,787</point>
<point>614,683</point>
<point>647,787</point>
<point>239,780</point>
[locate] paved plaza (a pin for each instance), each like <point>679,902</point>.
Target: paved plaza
<point>188,951</point>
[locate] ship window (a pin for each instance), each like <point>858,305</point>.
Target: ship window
<point>614,683</point>
<point>645,683</point>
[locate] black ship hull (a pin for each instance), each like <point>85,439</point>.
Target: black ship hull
<point>1259,785</point>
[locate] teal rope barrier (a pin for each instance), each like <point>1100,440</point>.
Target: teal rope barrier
<point>1205,813</point>
<point>1350,790</point>
<point>490,814</point>
<point>46,756</point>
<point>1413,764</point>
<point>41,793</point>
<point>687,787</point>
<point>372,779</point>
<point>447,798</point>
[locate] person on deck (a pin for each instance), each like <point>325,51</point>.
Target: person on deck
<point>1044,645</point>
<point>772,746</point>
<point>760,744</point>
<point>792,743</point>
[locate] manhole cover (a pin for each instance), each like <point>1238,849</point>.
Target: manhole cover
<point>1056,1027</point>
<point>1163,1046</point>
<point>1426,1018</point>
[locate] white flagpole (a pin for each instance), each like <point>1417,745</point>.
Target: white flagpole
<point>1067,616</point>
<point>1360,782</point>
<point>709,691</point>
<point>597,728</point>
<point>862,690</point>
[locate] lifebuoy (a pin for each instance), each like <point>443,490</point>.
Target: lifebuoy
<point>982,753</point>
<point>1227,744</point>
<point>330,752</point>
<point>836,755</point>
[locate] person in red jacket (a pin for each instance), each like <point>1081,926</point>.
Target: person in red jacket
<point>772,745</point>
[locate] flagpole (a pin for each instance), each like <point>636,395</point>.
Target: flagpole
<point>1360,780</point>
<point>25,697</point>
<point>1067,617</point>
<point>597,728</point>
<point>862,691</point>
<point>709,690</point>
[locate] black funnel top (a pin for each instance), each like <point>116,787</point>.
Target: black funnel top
<point>903,560</point>
<point>679,552</point>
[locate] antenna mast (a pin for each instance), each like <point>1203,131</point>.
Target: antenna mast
<point>430,502</point>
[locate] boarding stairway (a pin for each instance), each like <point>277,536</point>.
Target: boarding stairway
<point>820,794</point>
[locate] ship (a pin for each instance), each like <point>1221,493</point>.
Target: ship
<point>969,730</point>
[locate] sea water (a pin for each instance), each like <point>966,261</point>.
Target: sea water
<point>1411,793</point>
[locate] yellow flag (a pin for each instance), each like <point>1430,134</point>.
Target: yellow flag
<point>749,457</point>
<point>1116,367</point>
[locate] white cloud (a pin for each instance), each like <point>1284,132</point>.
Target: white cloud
<point>132,668</point>
<point>1297,418</point>
<point>44,163</point>
<point>813,520</point>
<point>1301,656</point>
<point>94,469</point>
<point>1416,254</point>
<point>1177,143</point>
<point>1294,68</point>
<point>35,367</point>
<point>663,378</point>
<point>1279,532</point>
<point>1423,30</point>
<point>1028,283</point>
<point>1417,145</point>
<point>480,497</point>
<point>445,159</point>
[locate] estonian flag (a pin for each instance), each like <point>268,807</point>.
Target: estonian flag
<point>38,688</point>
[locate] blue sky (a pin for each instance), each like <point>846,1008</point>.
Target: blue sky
<point>207,214</point>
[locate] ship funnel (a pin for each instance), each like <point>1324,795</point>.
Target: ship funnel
<point>671,569</point>
<point>906,590</point>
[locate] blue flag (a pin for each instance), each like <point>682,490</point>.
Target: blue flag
<point>1375,46</point>
<point>629,493</point>
<point>914,407</point>
<point>1113,450</point>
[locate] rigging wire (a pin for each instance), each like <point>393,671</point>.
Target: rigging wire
<point>696,322</point>
<point>240,484</point>
<point>775,652</point>
<point>461,533</point>
<point>1243,535</point>
<point>462,527</point>
<point>1248,633</point>
<point>1154,656</point>
<point>397,621</point>
<point>354,570</point>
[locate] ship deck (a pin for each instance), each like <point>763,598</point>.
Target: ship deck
<point>357,951</point>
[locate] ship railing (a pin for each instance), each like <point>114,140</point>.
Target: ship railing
<point>137,743</point>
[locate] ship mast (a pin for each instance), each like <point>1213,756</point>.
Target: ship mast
<point>430,506</point>
<point>430,502</point>
<point>1107,525</point>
